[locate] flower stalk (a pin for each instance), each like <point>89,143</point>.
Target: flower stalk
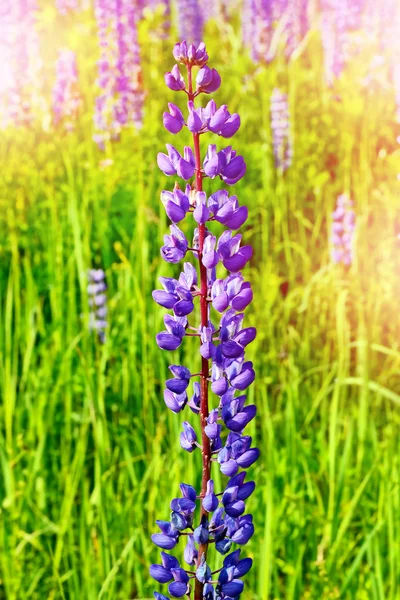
<point>224,370</point>
<point>204,310</point>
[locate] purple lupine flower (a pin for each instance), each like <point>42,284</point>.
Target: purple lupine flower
<point>333,59</point>
<point>349,13</point>
<point>190,55</point>
<point>334,37</point>
<point>264,22</point>
<point>257,28</point>
<point>129,87</point>
<point>225,163</point>
<point>98,302</point>
<point>343,226</point>
<point>66,97</point>
<point>218,120</point>
<point>280,128</point>
<point>338,19</point>
<point>248,17</point>
<point>120,102</point>
<point>21,61</point>
<point>105,16</point>
<point>297,24</point>
<point>174,163</point>
<point>190,21</point>
<point>220,10</point>
<point>221,519</point>
<point>177,295</point>
<point>207,80</point>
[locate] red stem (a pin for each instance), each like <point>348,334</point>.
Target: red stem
<point>206,454</point>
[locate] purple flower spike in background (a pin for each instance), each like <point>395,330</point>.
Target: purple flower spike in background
<point>210,520</point>
<point>120,102</point>
<point>296,13</point>
<point>339,20</point>
<point>343,226</point>
<point>190,21</point>
<point>257,27</point>
<point>21,97</point>
<point>280,127</point>
<point>66,97</point>
<point>129,107</point>
<point>98,302</point>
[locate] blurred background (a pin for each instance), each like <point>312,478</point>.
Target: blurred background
<point>89,454</point>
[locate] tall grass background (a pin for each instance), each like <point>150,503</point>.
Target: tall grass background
<point>89,455</point>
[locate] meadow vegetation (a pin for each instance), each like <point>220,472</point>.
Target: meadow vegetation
<point>85,440</point>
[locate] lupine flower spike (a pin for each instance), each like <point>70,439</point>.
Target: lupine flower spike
<point>257,28</point>
<point>209,520</point>
<point>338,19</point>
<point>66,97</point>
<point>343,226</point>
<point>280,127</point>
<point>98,302</point>
<point>190,20</point>
<point>120,102</point>
<point>297,24</point>
<point>21,62</point>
